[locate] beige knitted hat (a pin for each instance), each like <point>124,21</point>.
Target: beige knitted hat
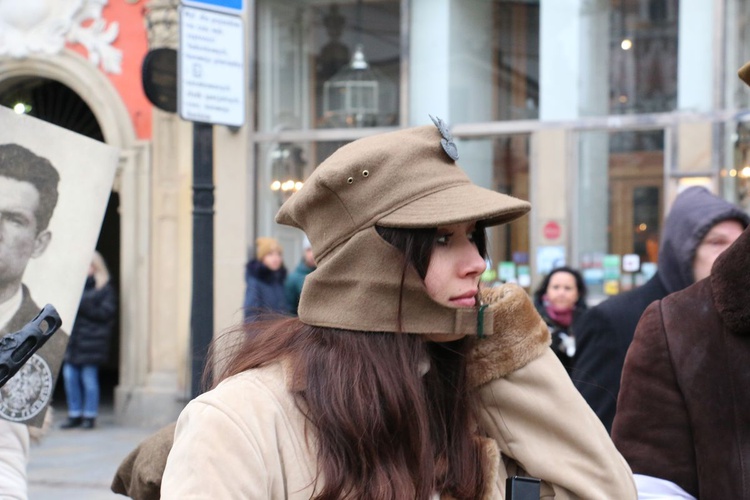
<point>402,179</point>
<point>265,245</point>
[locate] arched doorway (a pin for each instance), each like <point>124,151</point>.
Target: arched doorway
<point>54,102</point>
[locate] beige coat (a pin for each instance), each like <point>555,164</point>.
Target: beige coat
<point>14,456</point>
<point>533,420</point>
<point>253,416</point>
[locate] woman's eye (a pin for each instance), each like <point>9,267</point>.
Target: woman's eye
<point>443,239</point>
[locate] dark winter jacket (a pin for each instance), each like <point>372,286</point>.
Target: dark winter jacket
<point>264,290</point>
<point>559,332</point>
<point>606,331</point>
<point>683,414</point>
<point>293,285</point>
<point>90,339</point>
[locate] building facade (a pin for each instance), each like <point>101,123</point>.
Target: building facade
<point>597,111</point>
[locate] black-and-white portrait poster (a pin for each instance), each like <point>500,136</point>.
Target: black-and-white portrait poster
<point>54,188</point>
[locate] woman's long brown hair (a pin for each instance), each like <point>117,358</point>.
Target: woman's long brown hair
<point>384,428</point>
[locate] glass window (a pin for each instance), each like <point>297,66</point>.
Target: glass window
<point>734,180</point>
<point>328,64</point>
<point>502,164</point>
<point>737,50</point>
<point>516,28</point>
<point>620,207</point>
<point>643,52</point>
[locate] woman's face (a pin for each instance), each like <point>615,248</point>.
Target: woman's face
<point>452,277</point>
<point>562,291</point>
<point>273,260</point>
<point>718,239</point>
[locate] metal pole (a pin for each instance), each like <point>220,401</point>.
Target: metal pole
<point>202,309</point>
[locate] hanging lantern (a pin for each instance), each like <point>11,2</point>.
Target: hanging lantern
<point>350,97</point>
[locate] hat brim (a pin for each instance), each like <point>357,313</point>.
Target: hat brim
<point>744,73</point>
<point>467,202</point>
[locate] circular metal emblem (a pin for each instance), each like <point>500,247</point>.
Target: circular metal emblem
<point>28,391</point>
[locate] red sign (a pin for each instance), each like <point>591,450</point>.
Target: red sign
<point>551,230</point>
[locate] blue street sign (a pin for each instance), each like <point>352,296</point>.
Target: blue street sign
<point>227,6</point>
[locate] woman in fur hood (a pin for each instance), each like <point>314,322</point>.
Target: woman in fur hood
<point>399,379</point>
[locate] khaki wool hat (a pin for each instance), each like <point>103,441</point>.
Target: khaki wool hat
<point>402,179</point>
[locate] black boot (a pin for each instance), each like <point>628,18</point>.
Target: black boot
<point>88,423</point>
<point>72,423</point>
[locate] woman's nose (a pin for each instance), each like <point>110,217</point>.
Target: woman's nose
<point>474,264</point>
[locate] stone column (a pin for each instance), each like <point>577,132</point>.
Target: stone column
<point>154,375</point>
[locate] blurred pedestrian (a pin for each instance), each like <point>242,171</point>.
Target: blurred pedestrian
<point>699,226</point>
<point>264,280</point>
<point>295,280</point>
<point>683,415</point>
<point>88,347</point>
<point>561,301</point>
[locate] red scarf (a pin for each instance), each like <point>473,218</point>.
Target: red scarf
<point>563,317</point>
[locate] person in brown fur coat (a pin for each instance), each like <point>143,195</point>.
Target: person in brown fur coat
<point>398,379</point>
<point>683,413</point>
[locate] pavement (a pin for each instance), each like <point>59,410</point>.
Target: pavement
<point>78,463</point>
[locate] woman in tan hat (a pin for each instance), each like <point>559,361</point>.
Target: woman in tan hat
<point>399,380</point>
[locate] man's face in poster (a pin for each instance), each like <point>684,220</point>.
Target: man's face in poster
<point>19,239</point>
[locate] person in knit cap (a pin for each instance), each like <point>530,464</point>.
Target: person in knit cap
<point>264,279</point>
<point>399,379</point>
<point>295,280</point>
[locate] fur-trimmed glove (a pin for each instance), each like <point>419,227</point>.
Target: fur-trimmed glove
<point>520,335</point>
<point>530,408</point>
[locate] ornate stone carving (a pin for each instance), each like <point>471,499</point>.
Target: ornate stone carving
<point>45,26</point>
<point>162,24</point>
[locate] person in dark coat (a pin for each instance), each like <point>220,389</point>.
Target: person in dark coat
<point>606,330</point>
<point>295,280</point>
<point>561,301</point>
<point>88,347</point>
<point>264,279</point>
<point>683,414</point>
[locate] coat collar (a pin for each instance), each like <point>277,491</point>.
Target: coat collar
<point>731,286</point>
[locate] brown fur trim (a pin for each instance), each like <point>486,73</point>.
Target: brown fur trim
<point>729,282</point>
<point>520,335</point>
<point>490,465</point>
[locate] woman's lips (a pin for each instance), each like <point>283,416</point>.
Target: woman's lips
<point>466,300</point>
